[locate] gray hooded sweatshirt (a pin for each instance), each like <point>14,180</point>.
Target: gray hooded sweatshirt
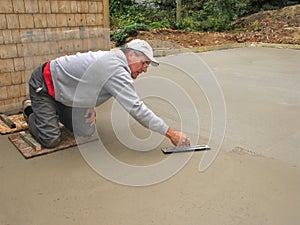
<point>88,79</point>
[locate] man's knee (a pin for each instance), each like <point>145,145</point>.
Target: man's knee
<point>47,137</point>
<point>84,131</point>
<point>50,143</point>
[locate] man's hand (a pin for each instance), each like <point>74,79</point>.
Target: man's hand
<point>90,116</point>
<point>177,138</point>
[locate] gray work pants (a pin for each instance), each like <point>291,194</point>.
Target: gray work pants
<point>43,123</point>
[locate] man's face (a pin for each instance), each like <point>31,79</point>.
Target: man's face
<point>137,64</point>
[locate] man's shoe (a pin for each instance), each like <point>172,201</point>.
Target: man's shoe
<point>27,110</point>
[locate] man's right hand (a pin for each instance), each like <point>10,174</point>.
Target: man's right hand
<point>177,138</point>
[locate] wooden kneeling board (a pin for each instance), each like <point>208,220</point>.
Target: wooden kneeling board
<point>29,147</point>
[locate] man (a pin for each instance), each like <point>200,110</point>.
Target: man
<point>68,88</point>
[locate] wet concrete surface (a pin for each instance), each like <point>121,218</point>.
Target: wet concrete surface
<point>255,178</point>
<point>262,94</point>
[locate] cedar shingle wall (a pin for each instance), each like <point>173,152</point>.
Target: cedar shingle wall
<point>35,31</point>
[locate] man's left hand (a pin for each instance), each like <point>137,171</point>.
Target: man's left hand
<point>90,116</point>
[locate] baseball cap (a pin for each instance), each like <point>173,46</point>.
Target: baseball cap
<point>144,47</point>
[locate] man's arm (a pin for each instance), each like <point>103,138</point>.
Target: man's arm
<point>122,88</point>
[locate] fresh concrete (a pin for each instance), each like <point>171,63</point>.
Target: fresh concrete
<point>261,92</point>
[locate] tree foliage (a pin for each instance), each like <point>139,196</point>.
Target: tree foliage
<point>128,16</point>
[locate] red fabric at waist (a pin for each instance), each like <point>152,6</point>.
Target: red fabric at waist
<point>48,80</point>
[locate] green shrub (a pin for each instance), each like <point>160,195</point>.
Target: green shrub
<point>220,15</point>
<point>189,24</point>
<point>161,24</point>
<point>200,15</point>
<point>120,36</point>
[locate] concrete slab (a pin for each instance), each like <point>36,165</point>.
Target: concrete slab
<point>261,92</point>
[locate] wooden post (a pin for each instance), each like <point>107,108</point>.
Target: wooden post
<point>178,11</point>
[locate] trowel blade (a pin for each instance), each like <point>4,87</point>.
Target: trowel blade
<point>185,148</point>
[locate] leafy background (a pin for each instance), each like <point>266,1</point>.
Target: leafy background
<point>127,17</point>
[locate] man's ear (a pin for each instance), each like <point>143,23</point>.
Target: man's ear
<point>130,53</point>
<point>131,57</point>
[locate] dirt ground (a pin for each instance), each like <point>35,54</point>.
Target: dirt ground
<point>276,26</point>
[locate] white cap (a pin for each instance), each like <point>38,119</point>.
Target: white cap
<point>144,47</point>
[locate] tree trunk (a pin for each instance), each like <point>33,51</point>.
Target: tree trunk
<point>178,11</point>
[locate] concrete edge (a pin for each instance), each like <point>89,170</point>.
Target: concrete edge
<point>165,52</point>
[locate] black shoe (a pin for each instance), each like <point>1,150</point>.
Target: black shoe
<point>27,110</point>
